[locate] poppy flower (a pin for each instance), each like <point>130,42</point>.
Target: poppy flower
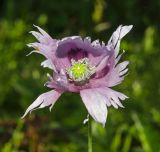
<point>80,65</point>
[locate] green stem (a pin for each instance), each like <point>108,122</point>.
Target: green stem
<point>89,134</point>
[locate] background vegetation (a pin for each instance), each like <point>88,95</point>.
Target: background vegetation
<point>133,129</point>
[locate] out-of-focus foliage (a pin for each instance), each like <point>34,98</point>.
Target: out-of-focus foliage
<point>133,129</point>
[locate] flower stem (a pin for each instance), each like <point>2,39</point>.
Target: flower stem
<point>89,134</point>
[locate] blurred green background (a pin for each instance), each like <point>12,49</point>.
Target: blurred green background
<point>133,129</point>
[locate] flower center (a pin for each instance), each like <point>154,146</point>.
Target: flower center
<point>81,70</point>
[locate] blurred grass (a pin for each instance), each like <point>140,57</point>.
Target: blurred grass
<point>133,129</point>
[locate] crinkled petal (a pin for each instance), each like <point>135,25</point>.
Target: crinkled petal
<point>95,104</point>
<point>120,32</point>
<point>99,52</point>
<point>95,60</point>
<point>105,65</point>
<point>102,64</point>
<point>67,44</point>
<point>119,57</point>
<point>49,52</point>
<point>114,77</point>
<point>49,64</point>
<point>42,37</point>
<point>46,47</point>
<point>59,81</point>
<point>87,40</point>
<point>121,66</point>
<point>113,97</point>
<point>75,47</point>
<point>45,99</point>
<point>46,50</point>
<point>116,37</point>
<point>38,36</point>
<point>95,50</point>
<point>74,42</point>
<point>123,72</point>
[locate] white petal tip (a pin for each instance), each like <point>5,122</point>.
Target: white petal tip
<point>29,45</point>
<point>130,26</point>
<point>123,51</point>
<point>50,108</point>
<point>35,25</point>
<point>122,106</point>
<point>24,115</point>
<point>30,32</point>
<point>29,53</point>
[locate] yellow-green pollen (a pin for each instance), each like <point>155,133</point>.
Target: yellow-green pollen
<point>80,70</point>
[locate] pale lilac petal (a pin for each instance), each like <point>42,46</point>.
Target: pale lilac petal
<point>43,49</point>
<point>43,37</point>
<point>61,63</point>
<point>59,81</point>
<point>38,36</point>
<point>95,48</point>
<point>49,64</point>
<point>49,52</point>
<point>112,96</point>
<point>115,96</point>
<point>45,99</point>
<point>121,66</point>
<point>120,32</point>
<point>67,44</point>
<point>95,104</point>
<point>116,37</point>
<point>114,77</point>
<point>34,51</point>
<point>98,52</point>
<point>101,92</point>
<point>47,45</point>
<point>95,60</point>
<point>123,72</point>
<point>119,57</point>
<point>94,89</point>
<point>125,30</point>
<point>87,40</point>
<point>102,64</point>
<point>76,42</point>
<point>96,44</point>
